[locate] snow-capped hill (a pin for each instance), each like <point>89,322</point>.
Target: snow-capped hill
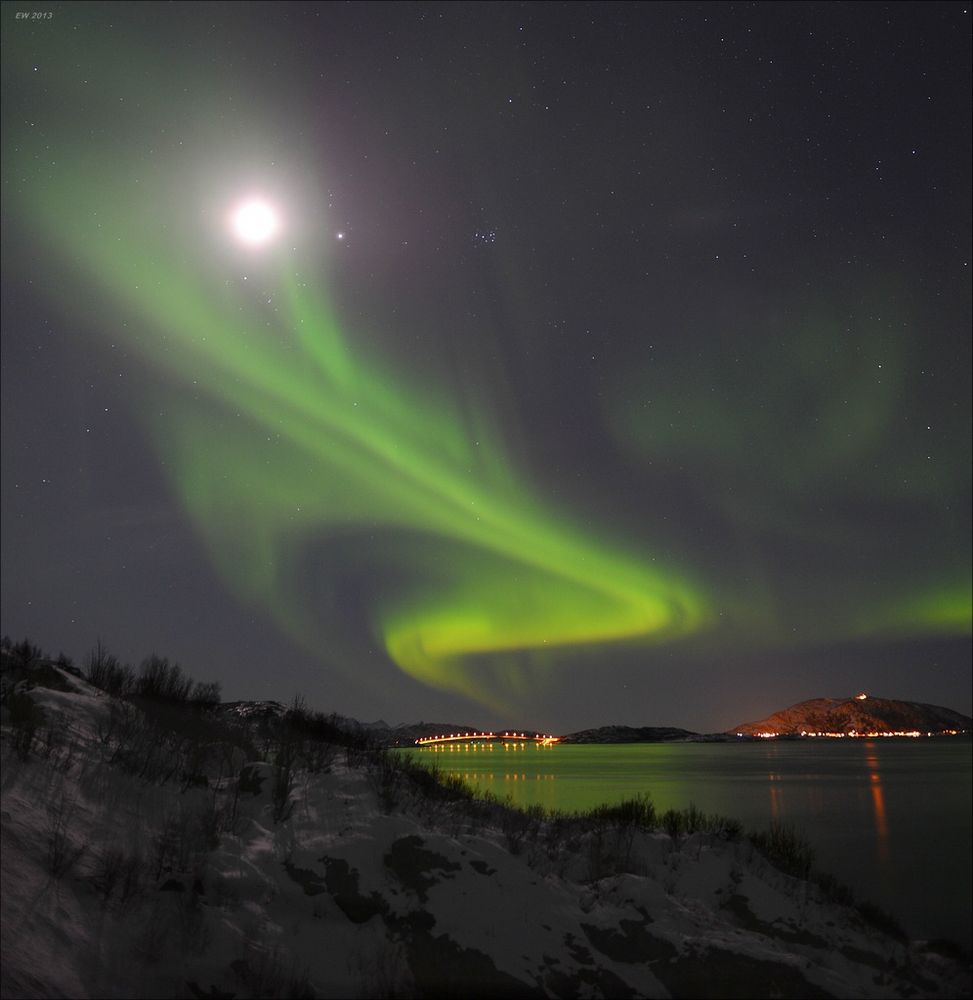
<point>329,869</point>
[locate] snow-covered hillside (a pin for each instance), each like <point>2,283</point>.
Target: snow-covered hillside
<point>274,869</point>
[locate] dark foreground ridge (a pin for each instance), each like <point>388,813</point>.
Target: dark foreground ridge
<point>188,848</point>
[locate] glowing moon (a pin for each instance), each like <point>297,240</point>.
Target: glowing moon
<point>255,222</point>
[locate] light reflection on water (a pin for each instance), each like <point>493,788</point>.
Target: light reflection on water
<point>878,801</point>
<point>890,818</point>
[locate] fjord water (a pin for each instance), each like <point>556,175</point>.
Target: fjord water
<point>890,818</point>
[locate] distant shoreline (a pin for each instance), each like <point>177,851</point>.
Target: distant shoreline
<point>733,738</point>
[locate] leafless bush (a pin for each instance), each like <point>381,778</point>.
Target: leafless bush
<point>517,825</point>
<point>387,779</point>
<point>195,754</point>
<point>174,919</point>
<point>62,852</point>
<point>229,758</point>
<point>151,749</point>
<point>248,783</point>
<point>131,881</point>
<point>107,728</point>
<point>24,653</point>
<point>116,874</point>
<point>161,680</point>
<point>261,970</point>
<point>195,932</point>
<point>206,692</point>
<point>225,892</point>
<point>358,754</point>
<point>106,871</point>
<point>59,747</point>
<point>189,832</point>
<point>103,670</point>
<point>280,792</point>
<point>601,860</point>
<point>319,756</point>
<point>152,937</point>
<point>383,972</point>
<point>126,734</point>
<point>26,718</point>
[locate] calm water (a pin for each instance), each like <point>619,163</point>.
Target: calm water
<point>890,818</point>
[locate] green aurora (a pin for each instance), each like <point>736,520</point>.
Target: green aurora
<point>293,444</point>
<point>279,439</point>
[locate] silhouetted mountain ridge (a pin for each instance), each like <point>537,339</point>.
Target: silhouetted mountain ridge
<point>629,734</point>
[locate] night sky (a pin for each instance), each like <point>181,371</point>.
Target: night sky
<point>609,363</point>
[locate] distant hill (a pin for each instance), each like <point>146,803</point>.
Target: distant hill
<point>860,714</point>
<point>629,734</point>
<point>379,733</point>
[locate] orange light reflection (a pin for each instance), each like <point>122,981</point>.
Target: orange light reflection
<point>878,801</point>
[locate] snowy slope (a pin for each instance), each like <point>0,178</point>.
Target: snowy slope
<point>353,882</point>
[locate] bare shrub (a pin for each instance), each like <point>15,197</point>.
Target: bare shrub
<point>106,730</point>
<point>615,828</point>
<point>599,860</point>
<point>694,819</point>
<point>59,747</point>
<point>195,754</point>
<point>26,718</point>
<point>225,892</point>
<point>26,654</point>
<point>673,823</point>
<point>785,848</point>
<point>195,932</point>
<point>319,756</point>
<point>187,835</point>
<point>150,748</point>
<point>160,680</point>
<point>103,670</point>
<point>561,838</point>
<point>358,754</point>
<point>151,940</point>
<point>124,733</point>
<point>106,871</point>
<point>387,779</point>
<point>519,824</point>
<point>131,881</point>
<point>206,693</point>
<point>383,972</point>
<point>261,970</point>
<point>62,852</point>
<point>280,792</point>
<point>117,874</point>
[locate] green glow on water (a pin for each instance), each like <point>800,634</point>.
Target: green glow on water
<point>866,806</point>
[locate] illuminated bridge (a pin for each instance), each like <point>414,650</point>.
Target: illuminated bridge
<point>540,739</point>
